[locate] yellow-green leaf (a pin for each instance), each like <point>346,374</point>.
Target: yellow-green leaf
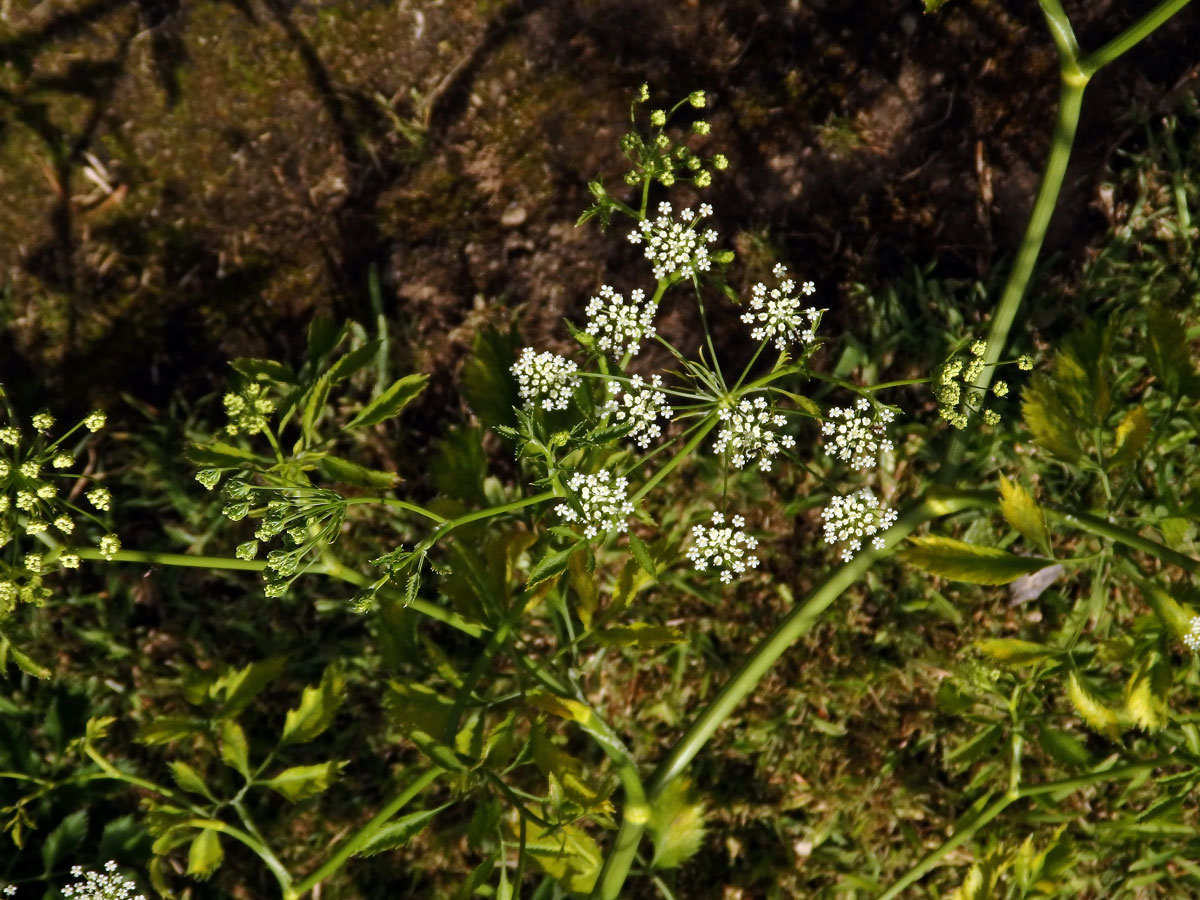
<point>1013,652</point>
<point>397,832</point>
<point>563,707</point>
<point>676,825</point>
<point>1048,419</point>
<point>567,854</point>
<point>347,472</point>
<point>205,854</point>
<point>235,750</point>
<point>391,402</point>
<point>640,634</point>
<point>1174,617</point>
<point>165,729</point>
<point>1021,511</point>
<point>299,782</point>
<point>243,685</point>
<point>561,767</point>
<point>961,561</point>
<point>1131,437</point>
<point>1095,714</point>
<point>1168,357</point>
<point>189,779</point>
<point>318,706</point>
<point>26,663</point>
<point>587,597</point>
<point>1145,696</point>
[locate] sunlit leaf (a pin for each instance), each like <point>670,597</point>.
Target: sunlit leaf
<point>1095,714</point>
<point>640,634</point>
<point>1048,419</point>
<point>397,832</point>
<point>566,853</point>
<point>1021,511</point>
<point>1176,619</point>
<point>961,561</point>
<point>299,782</point>
<point>391,402</point>
<point>1145,695</point>
<point>205,854</point>
<point>164,729</point>
<point>235,750</point>
<point>676,825</point>
<point>1013,652</point>
<point>318,706</point>
<point>189,779</point>
<point>1130,437</point>
<point>240,686</point>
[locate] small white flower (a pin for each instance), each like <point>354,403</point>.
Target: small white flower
<point>723,548</point>
<point>851,518</point>
<point>1192,638</point>
<point>603,506</point>
<point>675,247</point>
<point>620,327</point>
<point>856,436</point>
<point>776,313</point>
<point>642,406</point>
<point>545,377</point>
<point>750,431</point>
<point>106,885</point>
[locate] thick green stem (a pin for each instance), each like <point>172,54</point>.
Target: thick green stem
<point>356,842</point>
<point>1135,33</point>
<point>446,527</point>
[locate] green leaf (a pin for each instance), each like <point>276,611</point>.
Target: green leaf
<point>205,854</point>
<point>488,384</point>
<point>323,335</point>
<point>1064,747</point>
<point>676,825</point>
<point>552,564</point>
<point>299,782</point>
<point>1176,619</point>
<point>1021,511</point>
<point>235,750</point>
<point>26,663</point>
<point>164,729</point>
<point>124,837</point>
<point>337,469</point>
<point>565,770</point>
<point>391,402</point>
<point>1048,419</point>
<point>189,779</point>
<point>960,561</point>
<point>1168,357</point>
<point>641,635</point>
<point>1145,695</point>
<point>563,707</point>
<point>318,706</point>
<point>243,685</point>
<point>567,854</point>
<point>264,370</point>
<point>642,555</point>
<point>353,362</point>
<point>975,747</point>
<point>65,840</point>
<point>314,405</point>
<point>587,596</point>
<point>458,464</point>
<point>478,878</point>
<point>223,455</point>
<point>1013,652</point>
<point>1131,437</point>
<point>398,832</point>
<point>1095,714</point>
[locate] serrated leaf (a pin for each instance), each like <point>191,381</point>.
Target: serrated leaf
<point>318,706</point>
<point>553,563</point>
<point>458,465</point>
<point>488,384</point>
<point>640,634</point>
<point>1022,512</point>
<point>1013,652</point>
<point>240,686</point>
<point>299,782</point>
<point>975,747</point>
<point>479,876</point>
<point>235,750</point>
<point>587,596</point>
<point>563,707</point>
<point>222,455</point>
<point>324,333</point>
<point>124,837</point>
<point>566,853</point>
<point>205,854</point>
<point>189,779</point>
<point>1095,714</point>
<point>1176,619</point>
<point>337,469</point>
<point>1130,437</point>
<point>676,825</point>
<point>567,771</point>
<point>398,832</point>
<point>1168,356</point>
<point>1145,696</point>
<point>1174,530</point>
<point>264,370</point>
<point>961,561</point>
<point>314,405</point>
<point>26,663</point>
<point>1048,419</point>
<point>165,729</point>
<point>642,555</point>
<point>353,362</point>
<point>391,402</point>
<point>65,840</point>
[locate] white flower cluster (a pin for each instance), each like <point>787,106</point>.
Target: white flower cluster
<point>855,436</point>
<point>1192,638</point>
<point>619,327</point>
<point>750,431</point>
<point>854,517</point>
<point>776,313</point>
<point>642,405</point>
<point>602,504</point>
<point>546,377</point>
<point>675,246</point>
<point>723,548</point>
<point>101,886</point>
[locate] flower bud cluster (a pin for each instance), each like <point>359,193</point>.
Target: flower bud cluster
<point>750,432</point>
<point>599,503</point>
<point>722,547</point>
<point>675,246</point>
<point>655,156</point>
<point>643,406</point>
<point>249,410</point>
<point>856,436</point>
<point>32,505</point>
<point>620,327</point>
<point>776,313</point>
<point>954,387</point>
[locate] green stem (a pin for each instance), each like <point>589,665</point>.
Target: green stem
<point>1136,32</point>
<point>702,431</point>
<point>152,557</point>
<point>446,527</point>
<point>357,841</point>
<point>399,504</point>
